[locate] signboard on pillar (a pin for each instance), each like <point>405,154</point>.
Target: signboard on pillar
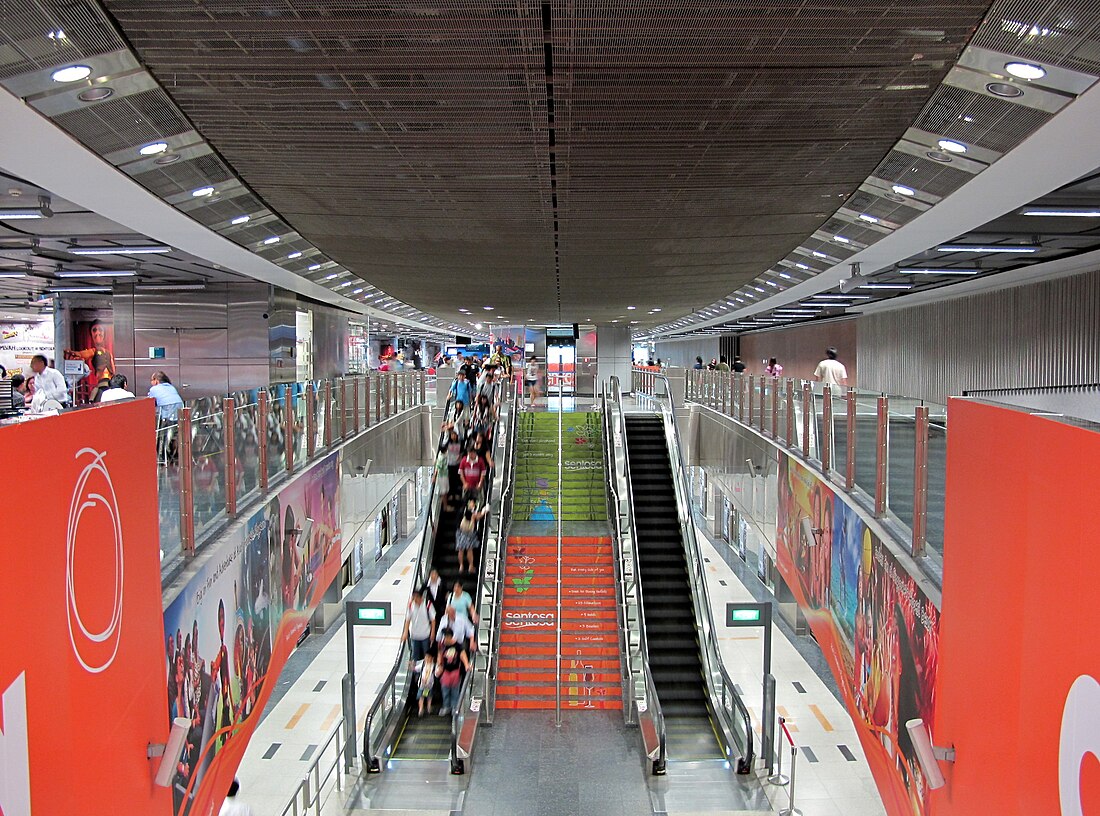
<point>82,673</point>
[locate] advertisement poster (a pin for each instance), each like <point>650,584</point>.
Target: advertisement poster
<point>21,341</point>
<point>94,344</point>
<point>82,661</point>
<point>231,630</point>
<point>877,629</point>
<point>727,512</point>
<point>741,534</point>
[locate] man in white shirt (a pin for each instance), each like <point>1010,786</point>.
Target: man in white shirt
<point>117,390</point>
<point>48,383</point>
<point>419,626</point>
<point>831,371</point>
<point>464,631</point>
<point>231,807</point>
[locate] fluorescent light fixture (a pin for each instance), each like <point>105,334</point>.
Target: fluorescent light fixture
<point>71,73</point>
<point>631,308</point>
<point>241,219</point>
<point>802,266</point>
<point>655,310</point>
<point>840,239</point>
<point>831,305</point>
<point>772,283</point>
<point>885,286</point>
<point>24,213</point>
<point>202,191</point>
<point>903,271</point>
<point>785,276</point>
<point>901,189</point>
<point>96,273</point>
<point>294,255</point>
<point>143,249</point>
<point>153,149</point>
<point>830,296</point>
<point>11,275</point>
<point>170,287</point>
<point>951,146</point>
<point>333,276</point>
<point>314,267</point>
<point>1026,70</point>
<point>58,289</point>
<point>817,254</point>
<point>488,308</point>
<point>870,219</point>
<point>274,239</point>
<point>987,249</point>
<point>761,291</point>
<point>1066,212</point>
<point>795,311</point>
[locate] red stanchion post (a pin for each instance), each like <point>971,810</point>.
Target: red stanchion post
<point>187,491</point>
<point>229,409</point>
<point>261,436</point>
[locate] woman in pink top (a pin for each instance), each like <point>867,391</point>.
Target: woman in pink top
<point>774,369</point>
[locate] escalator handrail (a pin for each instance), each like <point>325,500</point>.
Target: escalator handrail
<point>427,541</point>
<point>653,702</point>
<point>504,526</point>
<point>704,611</point>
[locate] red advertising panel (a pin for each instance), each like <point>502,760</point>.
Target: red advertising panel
<point>1018,691</point>
<point>232,628</point>
<point>875,625</point>
<point>81,649</point>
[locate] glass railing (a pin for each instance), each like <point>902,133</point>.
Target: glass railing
<point>641,706</point>
<point>223,452</point>
<point>888,451</point>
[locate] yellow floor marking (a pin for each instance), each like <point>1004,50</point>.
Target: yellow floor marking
<point>302,709</point>
<point>828,726</point>
<point>406,570</point>
<point>331,718</point>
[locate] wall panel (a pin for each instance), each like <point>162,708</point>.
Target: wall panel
<point>801,348</point>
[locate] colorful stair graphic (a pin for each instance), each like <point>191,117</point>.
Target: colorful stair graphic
<point>590,669</point>
<point>582,490</point>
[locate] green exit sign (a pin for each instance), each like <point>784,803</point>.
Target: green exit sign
<point>369,613</point>
<point>746,614</point>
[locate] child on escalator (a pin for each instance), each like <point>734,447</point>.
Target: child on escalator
<point>427,685</point>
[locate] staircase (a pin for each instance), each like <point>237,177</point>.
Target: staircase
<point>666,596</point>
<point>536,496</point>
<point>590,674</point>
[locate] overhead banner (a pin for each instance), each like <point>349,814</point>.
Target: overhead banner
<point>231,630</point>
<point>876,627</point>
<point>81,654</point>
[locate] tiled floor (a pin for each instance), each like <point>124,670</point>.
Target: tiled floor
<point>832,777</point>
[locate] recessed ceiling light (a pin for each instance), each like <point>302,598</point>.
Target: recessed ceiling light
<point>870,219</point>
<point>1004,89</point>
<point>153,149</point>
<point>488,308</point>
<point>631,308</point>
<point>97,94</point>
<point>169,158</point>
<point>988,249</point>
<point>1026,70</point>
<point>477,325</point>
<point>71,73</point>
<point>817,254</point>
<point>274,239</point>
<point>96,273</point>
<point>145,249</point>
<point>801,266</point>
<point>901,189</point>
<point>1066,212</point>
<point>840,239</point>
<point>903,271</point>
<point>655,309</point>
<point>464,311</point>
<point>294,255</point>
<point>7,275</point>
<point>202,191</point>
<point>885,286</point>
<point>951,146</point>
<point>241,219</point>
<point>314,267</point>
<point>938,155</point>
<point>772,283</point>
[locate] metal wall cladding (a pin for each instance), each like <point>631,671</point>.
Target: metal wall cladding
<point>800,349</point>
<point>281,328</point>
<point>684,352</point>
<point>1042,334</point>
<point>330,341</point>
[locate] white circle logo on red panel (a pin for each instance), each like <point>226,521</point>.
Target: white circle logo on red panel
<point>1080,737</point>
<point>94,630</point>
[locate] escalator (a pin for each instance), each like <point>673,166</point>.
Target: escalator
<point>429,737</point>
<point>672,634</point>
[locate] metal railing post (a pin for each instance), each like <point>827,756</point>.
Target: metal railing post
<point>741,399</point>
<point>790,413</point>
<point>288,421</point>
<point>763,390</point>
<point>850,439</point>
<point>311,420</point>
<point>882,456</point>
<point>229,408</point>
<point>261,419</point>
<point>778,778</point>
<point>393,385</point>
<point>423,387</point>
<point>826,429</point>
<point>752,401</point>
<point>920,482</point>
<point>355,403</point>
<point>187,492</point>
<point>377,399</point>
<point>343,407</point>
<point>807,403</point>
<point>328,413</point>
<point>775,408</point>
<point>792,810</point>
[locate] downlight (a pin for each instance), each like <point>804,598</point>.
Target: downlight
<point>153,149</point>
<point>951,146</point>
<point>902,190</point>
<point>1004,90</point>
<point>71,73</point>
<point>1026,70</point>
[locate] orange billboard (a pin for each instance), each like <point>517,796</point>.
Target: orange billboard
<point>1018,690</point>
<point>82,679</point>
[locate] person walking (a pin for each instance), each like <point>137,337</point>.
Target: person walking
<point>722,364</point>
<point>698,364</point>
<point>231,806</point>
<point>738,366</point>
<point>531,380</point>
<point>830,370</point>
<point>774,369</point>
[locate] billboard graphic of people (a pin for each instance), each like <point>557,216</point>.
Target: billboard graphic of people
<point>94,343</point>
<point>229,633</point>
<point>877,629</point>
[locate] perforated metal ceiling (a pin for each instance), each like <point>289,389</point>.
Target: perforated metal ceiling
<point>578,155</point>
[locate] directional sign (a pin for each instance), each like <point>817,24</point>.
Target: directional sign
<point>369,613</point>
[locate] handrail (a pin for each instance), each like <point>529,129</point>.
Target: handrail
<point>700,593</point>
<point>652,702</point>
